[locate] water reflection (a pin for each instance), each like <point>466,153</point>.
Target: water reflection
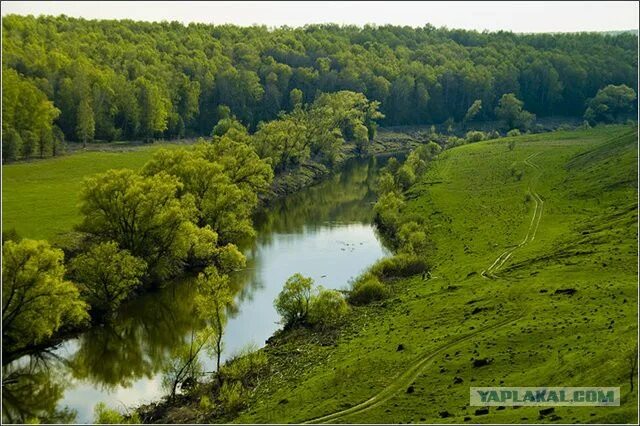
<point>323,232</point>
<point>31,389</point>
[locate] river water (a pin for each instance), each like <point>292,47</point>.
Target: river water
<point>323,232</point>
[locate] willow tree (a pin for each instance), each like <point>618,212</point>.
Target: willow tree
<point>37,301</point>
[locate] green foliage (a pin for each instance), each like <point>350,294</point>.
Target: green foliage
<point>292,304</point>
<point>106,275</point>
<point>327,308</point>
<point>386,183</point>
<point>224,178</point>
<point>184,365</point>
<point>27,117</point>
<point>510,111</point>
<point>212,301</point>
<point>589,220</point>
<point>400,265</point>
<point>161,79</point>
<point>105,415</point>
<point>36,299</point>
<point>142,214</point>
<point>232,397</point>
<point>513,132</point>
<point>246,366</point>
<point>367,289</point>
<point>405,177</point>
<point>229,125</point>
<point>86,127</point>
<point>475,136</point>
<point>387,210</point>
<point>283,142</point>
<point>412,238</point>
<point>40,199</point>
<point>609,103</point>
<point>512,143</point>
<point>473,111</point>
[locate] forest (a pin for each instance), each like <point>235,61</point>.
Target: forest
<point>68,79</point>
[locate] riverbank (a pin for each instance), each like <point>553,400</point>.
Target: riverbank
<point>545,315</point>
<point>123,362</point>
<point>290,182</point>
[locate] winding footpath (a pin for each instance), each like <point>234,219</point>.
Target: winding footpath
<point>406,378</point>
<point>490,272</point>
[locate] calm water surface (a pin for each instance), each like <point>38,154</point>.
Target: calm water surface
<point>324,232</point>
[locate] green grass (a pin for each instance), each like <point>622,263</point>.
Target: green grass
<point>40,198</point>
<point>476,209</point>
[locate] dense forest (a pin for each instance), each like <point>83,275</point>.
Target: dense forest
<point>84,80</point>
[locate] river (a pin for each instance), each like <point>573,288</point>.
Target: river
<point>323,232</point>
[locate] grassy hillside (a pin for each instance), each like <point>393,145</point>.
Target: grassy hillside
<point>40,198</point>
<point>555,306</point>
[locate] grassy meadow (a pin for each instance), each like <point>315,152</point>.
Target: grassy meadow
<point>559,311</point>
<point>40,198</point>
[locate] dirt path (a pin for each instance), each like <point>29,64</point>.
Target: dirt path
<point>533,226</point>
<point>405,379</point>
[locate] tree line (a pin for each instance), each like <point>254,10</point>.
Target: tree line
<point>83,80</point>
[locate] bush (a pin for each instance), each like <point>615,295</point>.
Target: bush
<point>475,136</point>
<point>367,289</point>
<point>293,301</point>
<point>246,366</point>
<point>406,177</point>
<point>494,134</point>
<point>105,415</point>
<point>387,210</point>
<point>412,237</point>
<point>565,127</point>
<point>231,397</point>
<point>400,265</point>
<point>327,308</point>
<point>513,132</point>
<point>453,141</point>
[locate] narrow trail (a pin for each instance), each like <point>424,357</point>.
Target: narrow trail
<point>490,272</point>
<point>406,378</point>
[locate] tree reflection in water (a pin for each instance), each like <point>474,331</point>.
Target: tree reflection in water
<point>31,389</point>
<point>141,342</point>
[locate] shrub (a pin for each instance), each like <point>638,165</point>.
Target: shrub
<point>327,308</point>
<point>406,177</point>
<point>293,301</point>
<point>105,415</point>
<point>400,265</point>
<point>565,127</point>
<point>246,366</point>
<point>453,141</point>
<point>513,132</point>
<point>494,134</point>
<point>387,210</point>
<point>231,397</point>
<point>367,289</point>
<point>475,136</point>
<point>412,237</point>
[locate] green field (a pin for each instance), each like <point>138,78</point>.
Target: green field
<point>557,308</point>
<point>40,198</point>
